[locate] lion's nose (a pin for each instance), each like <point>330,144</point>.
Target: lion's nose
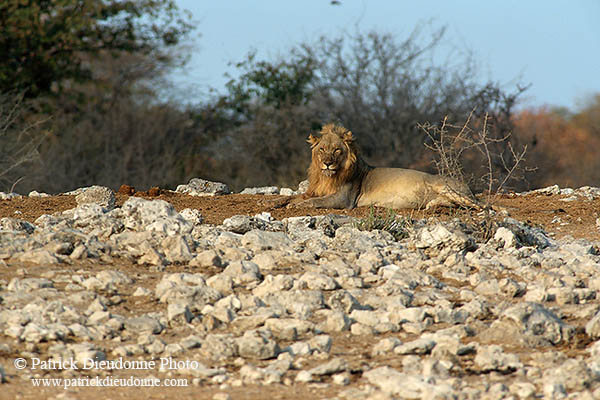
<point>328,163</point>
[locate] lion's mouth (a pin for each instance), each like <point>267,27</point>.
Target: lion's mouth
<point>328,171</point>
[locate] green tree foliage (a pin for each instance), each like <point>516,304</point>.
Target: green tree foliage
<point>45,43</point>
<point>79,93</point>
<point>271,84</point>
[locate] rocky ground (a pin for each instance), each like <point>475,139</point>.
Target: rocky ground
<point>231,296</point>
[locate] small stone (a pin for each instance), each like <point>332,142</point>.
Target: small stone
<point>342,300</point>
<point>142,291</point>
<point>385,346</point>
<point>243,272</point>
<point>273,284</point>
<point>282,329</point>
<point>176,249</point>
<point>261,190</point>
<point>298,349</point>
<point>336,322</point>
<point>35,193</point>
<point>573,374</point>
<point>418,346</point>
<point>191,342</point>
<point>253,345</point>
<point>536,321</point>
<point>207,258</point>
<point>100,195</point>
<point>39,256</point>
<point>396,383</point>
<point>506,237</point>
<point>99,317</point>
<point>342,379</point>
<point>192,215</point>
<point>143,324</point>
<point>334,366</point>
<point>524,390</point>
<point>173,350</point>
<point>321,343</point>
<point>304,377</point>
<point>493,358</point>
<point>179,312</point>
<point>554,390</point>
<point>592,328</point>
<point>359,329</point>
<point>317,281</point>
<point>83,352</point>
<point>201,187</point>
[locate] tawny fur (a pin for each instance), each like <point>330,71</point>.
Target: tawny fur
<point>320,185</point>
<point>339,178</point>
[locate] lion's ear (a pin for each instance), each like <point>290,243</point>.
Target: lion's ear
<point>348,137</point>
<point>312,140</point>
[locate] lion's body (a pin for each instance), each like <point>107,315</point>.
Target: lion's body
<point>407,188</point>
<point>339,178</point>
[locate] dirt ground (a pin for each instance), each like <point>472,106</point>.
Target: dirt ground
<point>559,218</point>
<point>550,212</point>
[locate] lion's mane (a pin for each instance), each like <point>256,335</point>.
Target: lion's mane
<point>353,166</point>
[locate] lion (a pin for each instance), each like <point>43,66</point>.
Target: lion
<point>338,177</point>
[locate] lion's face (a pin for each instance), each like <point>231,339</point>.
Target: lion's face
<point>330,153</point>
<point>334,160</point>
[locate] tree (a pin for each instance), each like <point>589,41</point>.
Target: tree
<point>382,88</point>
<point>379,87</point>
<point>46,43</point>
<point>120,133</point>
<point>562,148</point>
<point>264,83</point>
<point>89,69</point>
<point>588,117</point>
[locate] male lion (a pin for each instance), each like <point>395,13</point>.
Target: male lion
<point>338,177</point>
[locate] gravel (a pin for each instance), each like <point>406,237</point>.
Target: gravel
<point>308,300</point>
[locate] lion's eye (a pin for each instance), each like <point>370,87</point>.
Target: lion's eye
<point>338,151</point>
<point>321,150</point>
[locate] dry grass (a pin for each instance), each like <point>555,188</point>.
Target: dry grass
<point>395,224</point>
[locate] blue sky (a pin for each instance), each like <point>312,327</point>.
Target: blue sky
<point>554,44</point>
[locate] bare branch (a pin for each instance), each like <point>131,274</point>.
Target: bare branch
<point>451,143</point>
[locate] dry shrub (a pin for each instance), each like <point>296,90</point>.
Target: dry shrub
<point>141,145</point>
<point>269,150</point>
<point>470,144</point>
<point>476,143</point>
<point>112,131</point>
<point>21,133</point>
<point>381,87</point>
